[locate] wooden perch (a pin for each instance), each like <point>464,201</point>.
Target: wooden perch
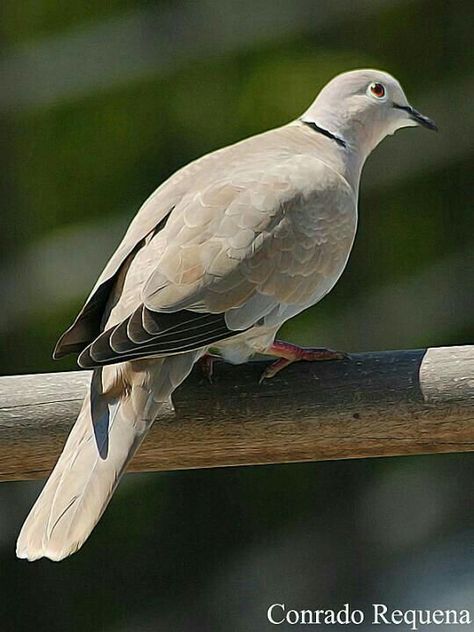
<point>375,404</point>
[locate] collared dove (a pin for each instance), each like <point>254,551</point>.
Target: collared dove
<point>222,253</point>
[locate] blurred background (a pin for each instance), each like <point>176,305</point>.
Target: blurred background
<point>99,103</point>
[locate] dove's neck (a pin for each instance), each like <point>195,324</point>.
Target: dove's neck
<point>352,141</point>
<point>335,151</point>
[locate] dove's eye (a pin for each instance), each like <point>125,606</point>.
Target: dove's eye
<point>377,90</point>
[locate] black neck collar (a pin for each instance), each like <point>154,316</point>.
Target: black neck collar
<point>341,142</point>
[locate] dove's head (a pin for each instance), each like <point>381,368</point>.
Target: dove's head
<point>361,107</point>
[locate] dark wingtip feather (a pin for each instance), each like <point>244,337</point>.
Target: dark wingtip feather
<point>85,360</point>
<point>119,340</point>
<point>136,330</point>
<point>60,351</point>
<point>177,332</point>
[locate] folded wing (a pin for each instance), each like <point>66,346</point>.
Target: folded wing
<point>231,255</point>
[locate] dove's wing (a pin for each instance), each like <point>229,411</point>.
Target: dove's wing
<point>153,215</point>
<point>149,220</point>
<point>250,155</point>
<point>253,245</point>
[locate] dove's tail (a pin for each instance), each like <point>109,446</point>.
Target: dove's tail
<point>120,408</point>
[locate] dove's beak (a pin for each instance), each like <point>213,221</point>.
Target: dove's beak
<point>416,116</point>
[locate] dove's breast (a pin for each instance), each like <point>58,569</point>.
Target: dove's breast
<point>308,249</point>
<point>324,228</point>
<point>307,253</point>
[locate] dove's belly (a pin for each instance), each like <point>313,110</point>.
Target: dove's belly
<point>241,348</point>
<point>259,338</point>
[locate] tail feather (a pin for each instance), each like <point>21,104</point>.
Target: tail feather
<point>107,433</point>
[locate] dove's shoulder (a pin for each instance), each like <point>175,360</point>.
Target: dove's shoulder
<point>200,173</point>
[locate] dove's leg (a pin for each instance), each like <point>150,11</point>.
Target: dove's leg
<point>206,364</point>
<point>289,353</point>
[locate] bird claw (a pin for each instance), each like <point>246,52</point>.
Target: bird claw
<point>272,369</point>
<point>290,353</point>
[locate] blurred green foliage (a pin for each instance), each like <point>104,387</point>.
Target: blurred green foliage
<point>31,20</point>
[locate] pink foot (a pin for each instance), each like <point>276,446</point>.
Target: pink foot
<point>289,353</point>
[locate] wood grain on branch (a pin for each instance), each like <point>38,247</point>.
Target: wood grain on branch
<point>374,404</point>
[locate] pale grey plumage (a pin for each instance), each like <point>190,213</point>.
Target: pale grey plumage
<point>221,254</point>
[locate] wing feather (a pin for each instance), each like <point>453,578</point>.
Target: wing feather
<point>174,333</point>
